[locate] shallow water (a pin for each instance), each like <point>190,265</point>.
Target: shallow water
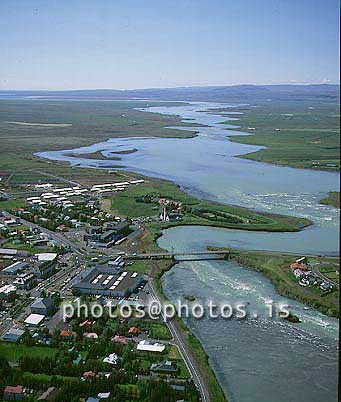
<point>255,360</point>
<point>207,166</point>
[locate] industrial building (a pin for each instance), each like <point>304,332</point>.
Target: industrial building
<point>107,281</point>
<point>46,264</point>
<point>7,291</point>
<point>24,281</point>
<point>15,268</point>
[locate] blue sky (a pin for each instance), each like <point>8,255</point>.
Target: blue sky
<point>85,44</point>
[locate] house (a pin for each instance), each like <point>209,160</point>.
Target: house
<point>13,335</point>
<point>296,265</point>
<point>298,273</point>
<point>91,399</point>
<point>13,393</point>
<point>133,331</point>
<point>66,334</point>
<point>103,395</point>
<point>111,359</point>
<point>146,346</point>
<point>50,395</point>
<point>88,375</point>
<point>91,335</point>
<point>168,367</point>
<point>120,339</point>
<point>43,306</point>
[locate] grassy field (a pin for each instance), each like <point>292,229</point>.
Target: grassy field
<point>13,352</point>
<point>331,271</point>
<point>197,212</point>
<point>276,267</point>
<point>75,124</point>
<point>301,134</point>
<point>332,199</point>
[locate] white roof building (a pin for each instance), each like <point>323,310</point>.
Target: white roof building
<point>150,346</point>
<point>7,290</point>
<point>42,257</point>
<point>111,359</point>
<point>34,319</point>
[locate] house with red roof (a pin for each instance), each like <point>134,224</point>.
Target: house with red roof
<point>296,265</point>
<point>13,393</point>
<point>120,339</point>
<point>133,331</point>
<point>66,334</point>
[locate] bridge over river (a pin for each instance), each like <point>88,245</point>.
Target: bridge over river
<point>186,255</point>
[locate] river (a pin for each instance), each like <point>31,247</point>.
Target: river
<point>255,360</point>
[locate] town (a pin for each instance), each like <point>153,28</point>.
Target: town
<point>60,246</point>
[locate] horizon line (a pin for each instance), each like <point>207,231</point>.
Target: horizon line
<point>175,87</point>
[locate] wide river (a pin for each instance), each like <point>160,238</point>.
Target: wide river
<point>255,360</point>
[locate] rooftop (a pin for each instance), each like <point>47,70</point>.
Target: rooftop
<point>104,278</point>
<point>40,302</point>
<point>150,346</point>
<point>42,257</point>
<point>15,267</point>
<point>13,335</point>
<point>34,319</point>
<point>14,390</point>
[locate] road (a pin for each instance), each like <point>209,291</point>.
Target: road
<point>186,355</point>
<point>60,238</point>
<point>175,254</point>
<point>315,269</point>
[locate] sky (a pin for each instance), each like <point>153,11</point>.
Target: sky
<point>126,44</point>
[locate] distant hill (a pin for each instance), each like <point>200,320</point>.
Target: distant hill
<point>214,93</point>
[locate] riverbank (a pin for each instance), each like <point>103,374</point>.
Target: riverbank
<point>190,341</point>
<point>301,134</point>
<point>96,156</point>
<point>276,267</point>
<point>332,199</point>
<point>143,200</point>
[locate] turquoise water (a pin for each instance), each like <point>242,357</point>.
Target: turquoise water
<point>255,360</point>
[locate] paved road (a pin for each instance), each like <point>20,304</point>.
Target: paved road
<point>315,269</point>
<point>60,238</point>
<point>175,254</point>
<point>188,359</point>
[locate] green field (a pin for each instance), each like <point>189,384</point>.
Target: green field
<point>198,212</point>
<point>13,352</point>
<point>331,271</point>
<point>87,123</point>
<point>301,134</point>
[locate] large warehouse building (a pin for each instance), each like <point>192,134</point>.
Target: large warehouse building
<point>107,281</point>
